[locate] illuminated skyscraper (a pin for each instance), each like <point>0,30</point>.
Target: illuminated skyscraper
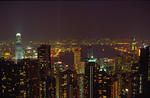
<point>19,49</point>
<point>79,67</point>
<point>8,77</point>
<point>44,57</point>
<point>30,82</point>
<point>45,65</point>
<point>89,74</point>
<point>115,87</point>
<point>77,60</point>
<point>68,87</point>
<point>102,84</point>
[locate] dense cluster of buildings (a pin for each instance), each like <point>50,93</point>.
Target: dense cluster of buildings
<point>41,74</point>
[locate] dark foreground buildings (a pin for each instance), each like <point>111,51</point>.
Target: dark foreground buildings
<point>144,72</point>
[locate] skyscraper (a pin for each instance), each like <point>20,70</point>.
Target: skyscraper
<point>45,65</point>
<point>77,59</point>
<point>8,77</point>
<point>68,81</point>
<point>102,84</point>
<point>31,77</point>
<point>89,74</point>
<point>79,67</point>
<point>90,70</point>
<point>19,49</point>
<point>143,68</point>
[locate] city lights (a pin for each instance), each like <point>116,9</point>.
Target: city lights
<point>75,49</point>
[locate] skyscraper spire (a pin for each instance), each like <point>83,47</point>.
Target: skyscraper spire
<point>90,52</point>
<point>18,38</point>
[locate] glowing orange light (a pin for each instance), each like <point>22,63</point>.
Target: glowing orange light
<point>139,52</point>
<point>67,65</point>
<point>7,53</point>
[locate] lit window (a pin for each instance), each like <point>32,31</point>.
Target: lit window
<point>105,82</point>
<point>99,81</point>
<point>100,91</point>
<point>104,91</point>
<point>104,96</point>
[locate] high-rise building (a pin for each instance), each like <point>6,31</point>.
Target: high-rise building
<point>135,80</point>
<point>8,78</point>
<point>89,74</point>
<point>89,78</point>
<point>44,57</point>
<point>97,81</point>
<point>77,62</point>
<point>19,49</point>
<point>115,87</point>
<point>19,80</point>
<point>79,67</point>
<point>22,80</point>
<point>68,84</point>
<point>102,84</point>
<point>58,69</point>
<point>32,77</point>
<point>143,69</point>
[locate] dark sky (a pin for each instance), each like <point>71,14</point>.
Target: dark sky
<point>75,19</point>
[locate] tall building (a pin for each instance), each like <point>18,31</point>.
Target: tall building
<point>8,78</point>
<point>80,82</point>
<point>79,67</point>
<point>102,84</point>
<point>32,77</point>
<point>19,80</point>
<point>143,69</point>
<point>89,74</point>
<point>115,87</point>
<point>19,49</point>
<point>77,59</point>
<point>22,82</point>
<point>97,81</point>
<point>68,84</point>
<point>89,78</point>
<point>44,57</point>
<point>58,70</point>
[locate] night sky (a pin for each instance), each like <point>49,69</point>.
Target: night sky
<point>75,19</point>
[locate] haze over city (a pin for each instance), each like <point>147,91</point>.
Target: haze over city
<point>46,20</point>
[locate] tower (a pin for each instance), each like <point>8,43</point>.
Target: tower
<point>19,49</point>
<point>102,83</point>
<point>77,60</point>
<point>45,65</point>
<point>44,56</point>
<point>89,74</point>
<point>143,68</point>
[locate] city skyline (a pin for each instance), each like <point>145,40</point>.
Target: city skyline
<point>43,20</point>
<point>68,69</point>
<point>74,49</point>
